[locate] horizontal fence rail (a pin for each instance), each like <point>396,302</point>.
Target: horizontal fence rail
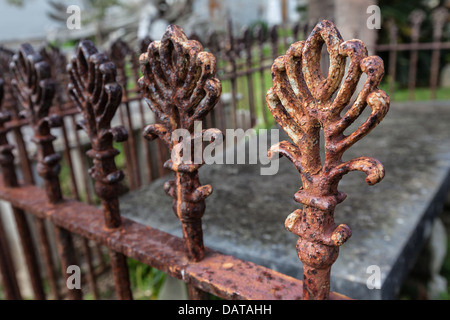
<point>162,250</point>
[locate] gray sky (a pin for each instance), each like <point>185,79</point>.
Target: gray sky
<point>31,21</point>
<point>28,21</point>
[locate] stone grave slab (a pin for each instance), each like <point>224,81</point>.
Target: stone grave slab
<point>390,221</point>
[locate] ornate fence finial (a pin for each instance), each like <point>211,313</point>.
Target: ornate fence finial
<point>180,87</point>
<point>5,59</point>
<point>6,157</point>
<point>416,17</point>
<point>439,17</point>
<point>118,54</point>
<point>35,90</point>
<point>302,102</point>
<point>97,95</point>
<point>58,64</point>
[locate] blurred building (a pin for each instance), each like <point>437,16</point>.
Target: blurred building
<point>31,21</point>
<point>140,18</point>
<point>350,17</point>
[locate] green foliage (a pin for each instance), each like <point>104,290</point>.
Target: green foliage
<point>145,281</point>
<point>445,271</point>
<point>420,94</point>
<point>399,11</point>
<point>17,3</point>
<point>259,24</point>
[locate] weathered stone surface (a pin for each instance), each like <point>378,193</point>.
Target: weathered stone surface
<point>246,212</point>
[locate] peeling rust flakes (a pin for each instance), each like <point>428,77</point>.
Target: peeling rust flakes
<point>228,265</point>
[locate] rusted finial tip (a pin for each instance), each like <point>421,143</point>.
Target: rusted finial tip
<point>304,102</point>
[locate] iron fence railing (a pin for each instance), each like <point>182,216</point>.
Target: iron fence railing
<point>434,44</point>
<point>181,83</point>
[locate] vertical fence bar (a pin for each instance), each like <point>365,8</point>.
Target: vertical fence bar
<point>416,17</point>
<point>127,152</point>
<point>160,150</point>
<point>248,65</point>
<point>230,55</point>
<point>23,228</point>
<point>119,53</point>
<point>57,62</point>
<point>160,155</point>
<point>302,102</point>
<point>274,41</point>
<point>35,91</point>
<point>68,257</point>
<point>90,268</point>
<point>10,105</point>
<point>213,43</point>
<point>48,260</point>
<point>31,259</point>
<point>82,160</point>
<point>439,18</point>
<point>10,180</point>
<point>295,32</point>
<point>145,143</point>
<point>7,269</point>
<point>393,34</point>
<point>97,95</point>
<point>260,39</point>
<point>25,162</point>
<point>44,244</point>
<point>180,86</point>
<point>5,59</point>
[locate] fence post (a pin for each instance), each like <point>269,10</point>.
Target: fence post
<point>393,34</point>
<point>302,102</point>
<point>7,268</point>
<point>439,18</point>
<point>97,95</point>
<point>11,107</point>
<point>10,104</point>
<point>35,91</point>
<point>119,52</point>
<point>248,42</point>
<point>416,17</point>
<point>230,56</point>
<point>180,87</point>
<point>260,36</point>
<point>58,64</point>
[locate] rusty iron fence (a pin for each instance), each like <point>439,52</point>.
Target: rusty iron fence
<point>97,102</point>
<point>409,49</point>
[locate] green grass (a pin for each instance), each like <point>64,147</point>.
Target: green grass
<point>445,271</point>
<point>261,84</point>
<point>145,281</point>
<point>420,94</point>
